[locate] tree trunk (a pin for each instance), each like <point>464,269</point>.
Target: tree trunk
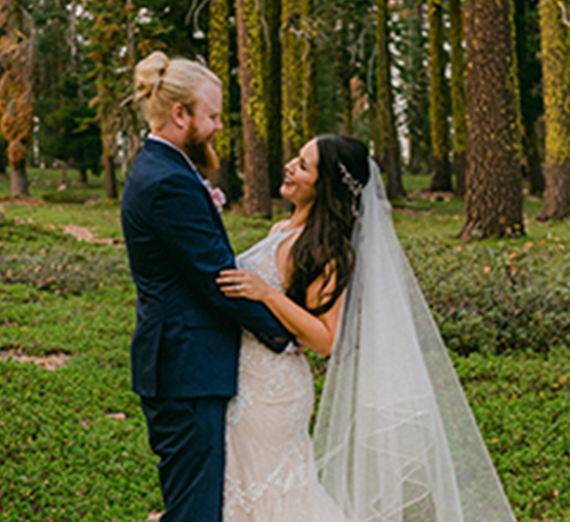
<point>456,38</point>
<point>63,167</point>
<point>389,152</point>
<point>19,180</point>
<point>533,160</point>
<point>309,61</point>
<point>219,62</point>
<point>493,202</point>
<point>441,171</point>
<point>555,38</point>
<point>110,179</point>
<point>417,96</point>
<point>83,176</point>
<point>257,197</point>
<point>291,79</point>
<point>273,99</point>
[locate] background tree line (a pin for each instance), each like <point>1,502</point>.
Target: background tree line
<point>473,93</point>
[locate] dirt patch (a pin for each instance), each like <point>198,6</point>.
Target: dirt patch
<point>84,234</point>
<point>47,362</point>
<point>24,201</point>
<point>432,196</point>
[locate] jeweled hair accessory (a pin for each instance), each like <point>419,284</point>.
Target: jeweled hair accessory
<point>354,186</point>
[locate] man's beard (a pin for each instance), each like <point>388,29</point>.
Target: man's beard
<point>201,152</point>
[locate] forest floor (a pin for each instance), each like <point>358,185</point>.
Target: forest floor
<point>74,443</point>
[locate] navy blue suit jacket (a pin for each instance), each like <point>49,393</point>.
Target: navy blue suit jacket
<point>186,342</point>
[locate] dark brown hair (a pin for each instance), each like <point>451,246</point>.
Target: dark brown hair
<point>324,246</point>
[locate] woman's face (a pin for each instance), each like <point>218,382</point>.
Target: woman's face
<point>301,175</point>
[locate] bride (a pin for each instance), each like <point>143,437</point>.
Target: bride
<point>395,440</point>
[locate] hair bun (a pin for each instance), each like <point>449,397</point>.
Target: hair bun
<point>149,73</point>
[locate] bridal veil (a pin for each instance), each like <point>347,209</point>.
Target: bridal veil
<point>395,438</point>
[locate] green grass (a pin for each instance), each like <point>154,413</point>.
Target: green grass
<point>64,459</point>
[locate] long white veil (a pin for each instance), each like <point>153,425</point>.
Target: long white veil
<point>395,440</point>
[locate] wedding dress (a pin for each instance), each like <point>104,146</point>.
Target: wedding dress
<point>270,467</point>
<point>395,439</point>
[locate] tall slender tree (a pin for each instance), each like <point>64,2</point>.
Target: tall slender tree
<point>555,36</point>
<point>441,171</point>
<point>219,62</point>
<point>389,153</point>
<point>456,39</point>
<point>291,77</point>
<point>18,56</point>
<point>256,176</point>
<point>493,202</point>
<point>530,80</point>
<point>309,62</point>
<point>273,99</point>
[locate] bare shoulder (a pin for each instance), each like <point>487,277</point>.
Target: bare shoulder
<point>278,226</point>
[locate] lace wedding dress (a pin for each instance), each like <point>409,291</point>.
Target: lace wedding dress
<point>270,469</point>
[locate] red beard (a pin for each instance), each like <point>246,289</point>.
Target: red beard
<point>201,152</point>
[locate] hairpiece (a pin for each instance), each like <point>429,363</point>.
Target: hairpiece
<point>354,186</point>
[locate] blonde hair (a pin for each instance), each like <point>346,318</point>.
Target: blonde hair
<point>161,82</point>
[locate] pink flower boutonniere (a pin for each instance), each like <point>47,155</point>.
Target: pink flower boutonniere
<point>217,195</point>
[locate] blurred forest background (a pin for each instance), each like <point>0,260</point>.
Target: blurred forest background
<point>473,94</point>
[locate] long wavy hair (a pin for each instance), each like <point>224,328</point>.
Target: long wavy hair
<point>324,246</point>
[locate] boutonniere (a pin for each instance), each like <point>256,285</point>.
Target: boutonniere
<point>217,195</point>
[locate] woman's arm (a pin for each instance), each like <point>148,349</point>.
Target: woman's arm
<point>316,333</point>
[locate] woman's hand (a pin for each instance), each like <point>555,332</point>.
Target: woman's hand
<point>240,283</point>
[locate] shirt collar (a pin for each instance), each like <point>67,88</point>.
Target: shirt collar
<point>154,137</point>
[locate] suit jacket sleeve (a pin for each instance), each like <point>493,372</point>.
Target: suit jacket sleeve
<point>184,223</point>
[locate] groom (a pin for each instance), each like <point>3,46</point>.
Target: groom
<point>184,353</point>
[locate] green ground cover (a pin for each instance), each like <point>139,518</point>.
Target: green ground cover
<point>74,441</point>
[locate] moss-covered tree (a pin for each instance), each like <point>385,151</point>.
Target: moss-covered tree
<point>530,80</point>
<point>273,100</point>
<point>18,56</point>
<point>309,64</point>
<point>389,153</point>
<point>291,78</point>
<point>441,170</point>
<point>456,39</point>
<point>254,124</point>
<point>493,201</point>
<point>555,38</point>
<point>219,62</point>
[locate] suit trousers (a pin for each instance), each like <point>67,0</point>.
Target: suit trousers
<point>189,437</point>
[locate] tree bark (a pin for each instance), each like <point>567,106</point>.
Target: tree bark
<point>291,79</point>
<point>257,197</point>
<point>110,179</point>
<point>219,62</point>
<point>309,63</point>
<point>19,180</point>
<point>493,202</point>
<point>533,160</point>
<point>456,38</point>
<point>441,170</point>
<point>83,176</point>
<point>555,41</point>
<point>273,99</point>
<point>389,152</point>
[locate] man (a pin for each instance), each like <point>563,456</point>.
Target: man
<point>185,347</point>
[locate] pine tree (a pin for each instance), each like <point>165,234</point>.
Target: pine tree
<point>389,153</point>
<point>273,98</point>
<point>493,202</point>
<point>456,39</point>
<point>219,63</point>
<point>441,171</point>
<point>555,38</point>
<point>18,55</point>
<point>309,63</point>
<point>291,78</point>
<point>250,43</point>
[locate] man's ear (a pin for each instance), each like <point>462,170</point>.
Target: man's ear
<point>180,115</point>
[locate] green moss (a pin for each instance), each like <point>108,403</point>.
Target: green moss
<point>219,62</point>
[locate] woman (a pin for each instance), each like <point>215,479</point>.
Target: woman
<point>395,439</point>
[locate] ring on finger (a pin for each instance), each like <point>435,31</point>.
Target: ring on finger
<point>237,287</point>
